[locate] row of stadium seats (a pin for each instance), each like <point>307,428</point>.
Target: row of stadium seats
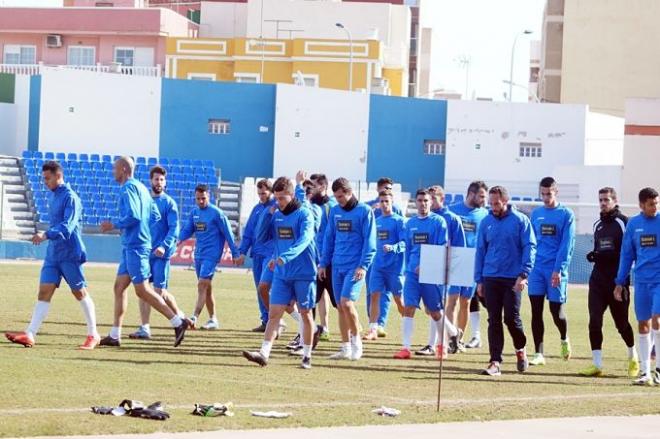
<point>94,183</point>
<point>83,157</point>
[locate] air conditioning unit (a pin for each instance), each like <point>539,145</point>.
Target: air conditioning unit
<point>54,40</point>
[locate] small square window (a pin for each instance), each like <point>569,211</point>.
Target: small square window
<point>434,147</point>
<point>219,126</point>
<point>530,149</point>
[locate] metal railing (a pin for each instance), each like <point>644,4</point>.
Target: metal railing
<point>37,69</point>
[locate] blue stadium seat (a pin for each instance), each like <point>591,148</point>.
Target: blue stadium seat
<point>60,156</point>
<point>115,158</point>
<point>458,198</point>
<point>106,158</point>
<point>164,161</point>
<point>186,162</point>
<point>95,158</point>
<point>152,161</point>
<point>27,154</point>
<point>175,161</point>
<point>74,165</point>
<point>198,163</point>
<point>209,163</point>
<point>527,199</point>
<point>72,156</point>
<point>141,161</point>
<point>37,154</point>
<point>97,166</point>
<point>449,199</point>
<point>515,198</point>
<point>28,163</point>
<point>40,162</point>
<point>537,200</point>
<point>107,166</point>
<point>83,158</point>
<point>49,156</point>
<point>85,166</point>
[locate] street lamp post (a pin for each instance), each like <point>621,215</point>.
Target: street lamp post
<point>350,55</point>
<point>513,51</point>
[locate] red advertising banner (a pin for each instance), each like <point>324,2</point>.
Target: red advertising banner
<point>185,254</point>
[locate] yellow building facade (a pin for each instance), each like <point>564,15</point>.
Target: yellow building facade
<point>320,63</point>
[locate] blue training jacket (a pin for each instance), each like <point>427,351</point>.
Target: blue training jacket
<point>350,238</point>
<point>431,229</point>
<point>454,226</point>
<point>136,212</point>
<point>165,232</point>
<point>640,245</point>
<point>555,238</point>
<point>471,218</point>
<point>293,238</point>
<point>249,240</point>
<point>64,238</point>
<point>211,229</point>
<point>390,230</point>
<point>324,215</point>
<point>378,211</point>
<point>506,247</point>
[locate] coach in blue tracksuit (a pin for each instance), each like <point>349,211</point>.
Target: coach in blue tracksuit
<point>641,246</point>
<point>260,252</point>
<point>211,228</point>
<point>136,211</point>
<point>164,233</point>
<point>294,262</point>
<point>386,273</point>
<point>64,258</point>
<point>350,245</point>
<point>554,228</point>
<point>506,248</point>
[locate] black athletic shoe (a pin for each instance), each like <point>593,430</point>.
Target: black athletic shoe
<point>180,332</point>
<point>294,343</point>
<point>426,351</point>
<point>260,328</point>
<point>316,336</point>
<point>522,363</point>
<point>453,345</point>
<point>109,341</point>
<point>256,357</point>
<point>306,363</point>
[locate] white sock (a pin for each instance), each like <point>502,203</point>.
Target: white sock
<point>307,350</point>
<point>266,346</point>
<point>645,353</point>
<point>176,321</point>
<point>433,333</point>
<point>115,332</point>
<point>296,316</point>
<point>356,341</point>
<point>450,329</point>
<point>475,324</point>
<point>147,327</point>
<point>346,347</point>
<point>597,356</point>
<point>656,337</point>
<point>89,311</point>
<point>214,318</point>
<point>373,326</point>
<point>38,316</point>
<point>408,325</point>
<point>632,353</point>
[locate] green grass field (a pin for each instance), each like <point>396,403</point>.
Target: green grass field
<point>48,389</point>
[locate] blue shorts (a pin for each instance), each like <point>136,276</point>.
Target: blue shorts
<point>647,300</point>
<point>540,284</point>
<point>160,272</point>
<point>466,292</point>
<point>266,274</point>
<point>343,285</point>
<point>72,272</point>
<point>134,262</point>
<point>381,281</point>
<point>283,292</point>
<point>205,268</point>
<point>413,292</point>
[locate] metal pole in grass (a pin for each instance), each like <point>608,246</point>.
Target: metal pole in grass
<point>441,335</point>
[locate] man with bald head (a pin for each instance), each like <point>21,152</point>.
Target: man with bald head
<point>136,210</point>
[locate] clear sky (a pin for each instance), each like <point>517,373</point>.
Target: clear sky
<point>484,31</point>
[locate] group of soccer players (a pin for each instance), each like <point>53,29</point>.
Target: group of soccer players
<point>311,250</point>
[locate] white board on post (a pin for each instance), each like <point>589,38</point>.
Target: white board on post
<point>461,266</point>
<point>432,264</point>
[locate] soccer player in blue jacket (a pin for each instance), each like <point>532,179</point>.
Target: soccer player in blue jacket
<point>430,229</point>
<point>211,228</point>
<point>164,234</point>
<point>554,228</point>
<point>136,212</point>
<point>260,252</point>
<point>456,238</point>
<point>506,248</point>
<point>640,246</point>
<point>294,262</point>
<point>64,258</point>
<point>383,184</point>
<point>350,245</point>
<point>472,212</point>
<point>386,273</point>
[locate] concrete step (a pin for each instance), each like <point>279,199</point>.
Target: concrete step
<point>19,208</point>
<point>228,205</point>
<point>25,216</point>
<point>11,179</point>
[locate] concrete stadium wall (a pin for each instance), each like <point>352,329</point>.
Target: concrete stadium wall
<point>321,130</point>
<point>398,128</point>
<point>99,113</point>
<point>14,113</point>
<point>187,106</point>
<point>100,248</point>
<point>483,140</point>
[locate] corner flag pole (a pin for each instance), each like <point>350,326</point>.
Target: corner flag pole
<point>441,336</point>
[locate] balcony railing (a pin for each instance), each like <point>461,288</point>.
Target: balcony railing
<point>36,69</point>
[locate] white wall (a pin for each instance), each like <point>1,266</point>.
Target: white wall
<point>99,113</point>
<point>14,119</point>
<point>483,140</point>
<point>7,129</point>
<point>321,130</point>
<point>223,20</point>
<point>604,135</point>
